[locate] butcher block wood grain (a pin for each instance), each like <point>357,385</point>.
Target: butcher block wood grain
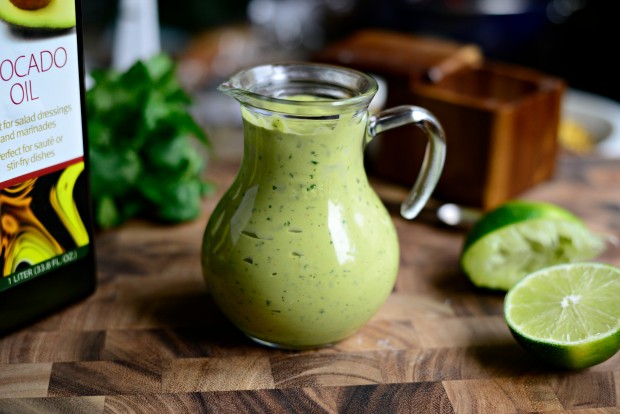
<point>150,340</point>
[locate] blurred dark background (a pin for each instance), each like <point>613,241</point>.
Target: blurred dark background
<point>572,39</point>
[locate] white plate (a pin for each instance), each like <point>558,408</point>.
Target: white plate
<point>600,116</point>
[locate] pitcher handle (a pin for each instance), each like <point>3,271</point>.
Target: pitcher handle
<point>434,156</point>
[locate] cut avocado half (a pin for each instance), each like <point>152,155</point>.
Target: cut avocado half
<point>57,15</point>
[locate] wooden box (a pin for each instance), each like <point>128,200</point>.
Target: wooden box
<point>501,121</point>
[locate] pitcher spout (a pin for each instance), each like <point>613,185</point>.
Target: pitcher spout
<point>229,89</point>
<point>285,88</point>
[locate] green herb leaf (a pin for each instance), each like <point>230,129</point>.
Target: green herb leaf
<point>144,145</point>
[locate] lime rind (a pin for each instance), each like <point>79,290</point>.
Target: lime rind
<point>504,256</point>
<point>513,212</point>
<point>567,315</point>
<point>577,356</point>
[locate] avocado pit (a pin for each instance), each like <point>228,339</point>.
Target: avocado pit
<point>30,4</point>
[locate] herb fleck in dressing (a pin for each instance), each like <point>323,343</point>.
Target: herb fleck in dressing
<point>300,251</point>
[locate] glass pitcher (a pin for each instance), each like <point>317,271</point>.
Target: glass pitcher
<point>300,252</point>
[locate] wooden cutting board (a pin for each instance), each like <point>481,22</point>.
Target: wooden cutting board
<point>150,340</point>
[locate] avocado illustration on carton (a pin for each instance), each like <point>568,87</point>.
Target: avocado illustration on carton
<point>38,15</point>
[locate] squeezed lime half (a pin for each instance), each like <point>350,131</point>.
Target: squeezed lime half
<point>520,237</point>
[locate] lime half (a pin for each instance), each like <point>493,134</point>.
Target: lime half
<point>520,237</point>
<point>567,315</point>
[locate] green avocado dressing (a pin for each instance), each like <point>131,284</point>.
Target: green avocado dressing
<point>300,251</point>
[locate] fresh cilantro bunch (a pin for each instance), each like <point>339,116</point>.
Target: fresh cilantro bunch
<point>143,156</point>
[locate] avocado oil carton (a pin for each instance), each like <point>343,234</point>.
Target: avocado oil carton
<point>46,236</point>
